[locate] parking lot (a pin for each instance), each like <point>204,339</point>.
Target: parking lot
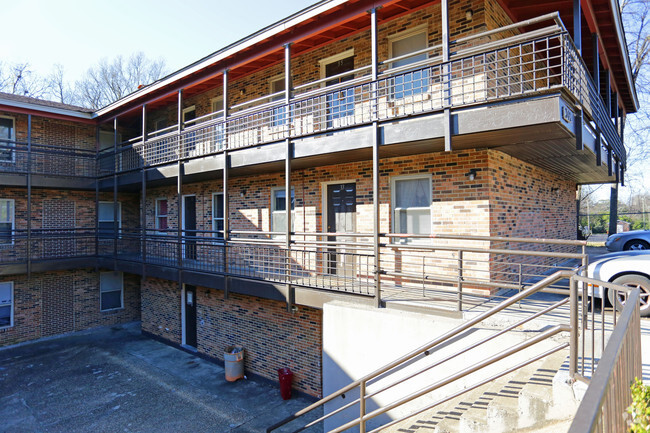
<point>115,380</point>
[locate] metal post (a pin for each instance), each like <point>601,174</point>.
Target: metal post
<point>573,302</point>
<point>115,210</point>
<point>97,129</point>
<point>608,94</point>
<point>179,188</point>
<point>376,208</point>
<point>595,40</point>
<point>446,74</point>
<point>29,196</point>
<point>460,280</point>
<point>144,195</point>
<point>613,202</point>
<point>226,211</point>
<point>577,26</point>
<point>362,407</point>
<point>287,173</point>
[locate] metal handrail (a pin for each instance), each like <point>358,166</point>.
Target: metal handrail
<point>609,393</point>
<point>422,350</point>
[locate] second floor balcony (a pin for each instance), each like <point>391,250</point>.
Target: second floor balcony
<point>512,76</point>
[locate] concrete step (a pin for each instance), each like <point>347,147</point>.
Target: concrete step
<point>534,398</point>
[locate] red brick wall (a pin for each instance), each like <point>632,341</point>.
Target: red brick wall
<point>57,302</point>
<point>273,338</point>
<point>54,132</point>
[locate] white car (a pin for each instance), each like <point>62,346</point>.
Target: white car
<point>627,268</point>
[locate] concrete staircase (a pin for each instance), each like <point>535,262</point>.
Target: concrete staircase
<point>535,398</point>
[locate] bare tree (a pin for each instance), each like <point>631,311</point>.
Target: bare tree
<point>59,89</point>
<point>109,81</point>
<point>19,79</point>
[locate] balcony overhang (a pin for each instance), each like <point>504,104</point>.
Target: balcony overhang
<point>538,130</point>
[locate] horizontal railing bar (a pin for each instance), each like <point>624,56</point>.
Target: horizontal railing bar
<point>554,330</point>
<point>550,16</point>
<point>476,385</point>
<point>333,77</point>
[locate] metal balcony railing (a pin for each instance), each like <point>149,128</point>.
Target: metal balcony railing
<point>482,69</point>
<point>450,269</point>
<point>21,158</point>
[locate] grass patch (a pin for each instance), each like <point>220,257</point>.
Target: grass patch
<point>595,244</point>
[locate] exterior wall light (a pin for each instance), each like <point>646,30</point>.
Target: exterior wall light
<point>469,14</point>
<point>471,175</point>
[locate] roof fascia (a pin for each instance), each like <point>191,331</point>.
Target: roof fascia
<point>41,110</point>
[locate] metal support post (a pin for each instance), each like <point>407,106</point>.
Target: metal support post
<point>287,174</point>
<point>362,407</point>
<point>374,115</point>
<point>226,210</point>
<point>460,280</point>
<point>577,26</point>
<point>29,196</point>
<point>613,202</point>
<point>179,189</point>
<point>97,129</point>
<point>446,74</point>
<point>115,206</point>
<point>595,40</point>
<point>577,123</point>
<point>143,216</point>
<point>375,165</point>
<point>573,347</point>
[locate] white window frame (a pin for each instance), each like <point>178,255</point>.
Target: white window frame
<point>274,191</point>
<point>393,200</point>
<point>13,220</point>
<point>164,232</point>
<point>217,196</point>
<point>407,34</point>
<point>214,106</point>
<point>121,307</point>
<point>12,302</point>
<point>331,59</point>
<point>12,141</point>
<point>119,216</point>
<point>187,110</point>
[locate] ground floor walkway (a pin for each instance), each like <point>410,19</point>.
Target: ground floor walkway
<point>116,380</point>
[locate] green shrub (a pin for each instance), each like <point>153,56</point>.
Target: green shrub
<point>640,407</point>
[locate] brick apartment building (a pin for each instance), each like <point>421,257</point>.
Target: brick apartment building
<point>377,118</point>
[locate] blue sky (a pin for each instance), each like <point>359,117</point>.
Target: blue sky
<point>78,33</point>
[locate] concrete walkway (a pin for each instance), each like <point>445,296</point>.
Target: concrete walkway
<point>116,380</point>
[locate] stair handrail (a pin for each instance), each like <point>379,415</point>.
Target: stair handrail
<point>540,285</point>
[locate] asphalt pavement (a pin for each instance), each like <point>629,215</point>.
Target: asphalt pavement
<point>116,380</point>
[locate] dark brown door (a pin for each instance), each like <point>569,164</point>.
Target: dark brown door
<point>341,218</point>
<point>190,315</point>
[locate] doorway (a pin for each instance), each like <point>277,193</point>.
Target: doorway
<point>189,312</point>
<point>341,205</point>
<point>340,104</point>
<point>189,227</point>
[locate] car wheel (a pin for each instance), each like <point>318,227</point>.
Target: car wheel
<point>636,244</point>
<point>633,281</point>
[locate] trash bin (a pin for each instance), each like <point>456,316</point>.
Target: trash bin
<point>234,363</point>
<point>286,376</point>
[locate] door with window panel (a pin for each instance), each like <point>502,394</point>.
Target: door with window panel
<point>7,141</point>
<point>340,103</point>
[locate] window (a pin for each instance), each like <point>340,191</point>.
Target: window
<point>7,139</point>
<point>6,304</point>
<point>6,221</point>
<point>340,104</point>
<point>161,214</point>
<point>277,85</point>
<point>217,215</point>
<point>278,210</point>
<point>413,82</point>
<point>412,205</point>
<point>106,221</point>
<point>111,291</point>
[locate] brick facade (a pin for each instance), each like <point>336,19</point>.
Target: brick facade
<point>272,337</point>
<point>52,303</point>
